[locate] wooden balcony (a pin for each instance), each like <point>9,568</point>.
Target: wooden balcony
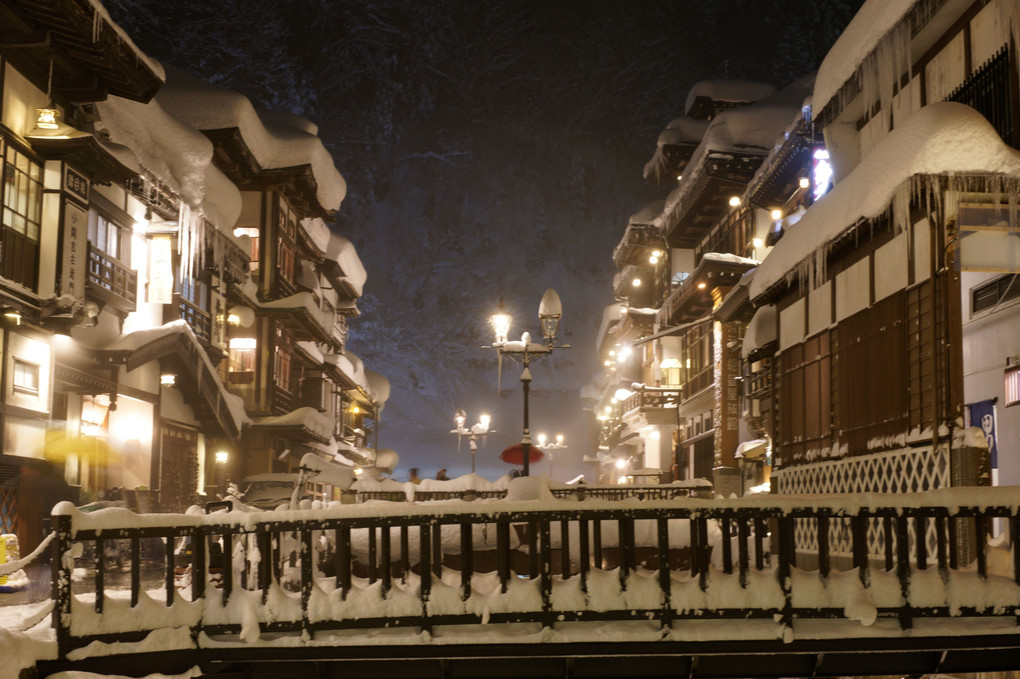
<point>199,319</point>
<point>111,281</point>
<point>638,242</point>
<point>653,405</point>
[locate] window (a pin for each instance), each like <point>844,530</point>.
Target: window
<point>1012,385</point>
<point>253,234</point>
<point>22,210</point>
<point>110,237</point>
<point>241,355</point>
<point>26,377</point>
<point>282,368</point>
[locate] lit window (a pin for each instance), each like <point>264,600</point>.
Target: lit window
<point>821,173</point>
<point>253,234</point>
<point>241,355</point>
<point>26,377</point>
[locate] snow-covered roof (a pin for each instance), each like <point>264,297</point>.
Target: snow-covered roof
<point>273,143</point>
<point>648,213</point>
<point>319,424</point>
<point>940,139</point>
<point>761,330</point>
<point>152,64</point>
<point>318,231</point>
<point>728,90</point>
<point>342,251</point>
<point>748,130</point>
<point>873,21</point>
<point>176,153</point>
<point>377,386</point>
<point>135,340</point>
<point>682,130</point>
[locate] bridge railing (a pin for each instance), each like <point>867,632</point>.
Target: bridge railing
<point>625,492</point>
<point>548,562</point>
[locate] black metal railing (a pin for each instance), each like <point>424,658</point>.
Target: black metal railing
<point>420,566</point>
<point>990,91</point>
<point>646,397</point>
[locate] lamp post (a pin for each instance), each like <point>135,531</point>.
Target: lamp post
<point>525,351</point>
<point>549,447</point>
<point>480,428</point>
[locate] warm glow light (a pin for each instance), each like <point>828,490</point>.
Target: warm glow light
<point>622,394</point>
<point>669,363</point>
<point>777,214</point>
<point>804,182</point>
<point>701,285</point>
<point>636,282</point>
<point>355,409</point>
<point>221,457</point>
<point>484,420</point>
<point>624,353</point>
<point>501,324</point>
<point>234,320</point>
<point>358,471</point>
<point>13,315</point>
<point>608,363</point>
<point>541,440</point>
<point>757,242</point>
<point>653,260</point>
<point>679,177</point>
<point>612,352</point>
<point>46,118</point>
<point>559,439</point>
<point>734,201</point>
<point>657,253</point>
<point>243,343</point>
<point>621,464</point>
<point>609,409</point>
<point>168,379</point>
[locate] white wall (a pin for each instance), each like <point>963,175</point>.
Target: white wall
<point>988,339</point>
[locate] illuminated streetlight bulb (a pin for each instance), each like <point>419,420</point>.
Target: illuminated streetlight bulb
<point>541,440</point>
<point>636,282</point>
<point>804,182</point>
<point>777,214</point>
<point>734,201</point>
<point>757,242</point>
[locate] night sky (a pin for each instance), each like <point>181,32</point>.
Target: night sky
<point>491,149</point>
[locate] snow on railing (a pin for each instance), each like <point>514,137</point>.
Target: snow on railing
<point>304,575</point>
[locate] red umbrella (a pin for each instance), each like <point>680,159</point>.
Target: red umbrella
<point>515,455</point>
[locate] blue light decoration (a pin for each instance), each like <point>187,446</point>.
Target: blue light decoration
<point>821,173</point>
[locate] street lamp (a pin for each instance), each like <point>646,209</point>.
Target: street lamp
<point>480,428</point>
<point>549,447</point>
<point>525,351</point>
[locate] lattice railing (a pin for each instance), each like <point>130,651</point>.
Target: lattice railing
<point>910,470</point>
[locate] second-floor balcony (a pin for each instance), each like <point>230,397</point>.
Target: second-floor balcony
<point>654,405</point>
<point>112,281</point>
<point>199,319</point>
<point>638,243</point>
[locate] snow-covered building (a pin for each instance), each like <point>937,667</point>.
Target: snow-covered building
<point>891,303</point>
<point>175,305</point>
<point>672,402</point>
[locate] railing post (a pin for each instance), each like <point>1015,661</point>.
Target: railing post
<point>859,533</point>
<point>136,570</point>
<point>784,526</point>
<point>373,554</point>
<point>727,545</point>
<point>170,572</point>
<point>62,565</point>
<point>343,560</point>
<point>665,584</point>
<point>584,564</point>
<point>903,570</point>
<point>228,565</point>
<point>743,558</point>
<point>564,549</point>
<point>100,574</point>
<point>466,559</point>
<point>306,576</point>
<point>385,565</point>
<point>503,554</point>
<point>198,567</point>
<point>823,546</point>
<point>545,574</point>
<point>425,566</point>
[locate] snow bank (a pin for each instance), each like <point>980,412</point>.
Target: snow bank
<point>945,138</point>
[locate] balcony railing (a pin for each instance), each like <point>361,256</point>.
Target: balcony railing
<point>988,91</point>
<point>652,398</point>
<point>199,319</point>
<point>112,281</point>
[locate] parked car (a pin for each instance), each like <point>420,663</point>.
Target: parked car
<point>268,491</point>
